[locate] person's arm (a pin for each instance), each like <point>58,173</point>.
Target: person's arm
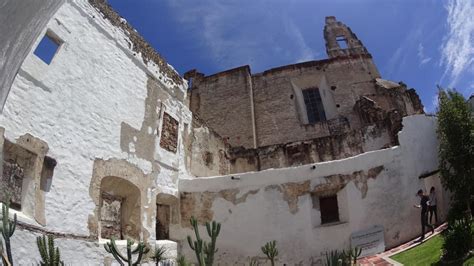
<point>417,206</point>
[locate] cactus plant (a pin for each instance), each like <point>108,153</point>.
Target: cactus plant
<point>352,255</point>
<point>49,254</point>
<point>3,255</point>
<point>271,251</point>
<point>7,229</point>
<point>204,251</point>
<point>210,249</point>
<point>140,249</point>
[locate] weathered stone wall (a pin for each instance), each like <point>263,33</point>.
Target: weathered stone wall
<point>206,151</point>
<point>99,110</point>
<point>372,188</point>
<point>332,147</point>
<point>277,104</point>
<point>268,108</point>
<point>223,102</point>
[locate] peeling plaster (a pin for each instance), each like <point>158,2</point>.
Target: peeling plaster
<point>199,205</point>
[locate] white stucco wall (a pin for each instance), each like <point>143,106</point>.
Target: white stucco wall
<point>389,201</point>
<point>76,105</point>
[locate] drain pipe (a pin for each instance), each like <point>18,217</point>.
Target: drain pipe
<point>252,109</point>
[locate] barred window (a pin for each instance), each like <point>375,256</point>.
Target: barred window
<point>314,105</point>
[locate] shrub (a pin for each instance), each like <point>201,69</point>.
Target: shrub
<point>457,240</point>
<point>159,255</point>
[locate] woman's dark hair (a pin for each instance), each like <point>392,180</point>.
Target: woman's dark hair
<point>432,189</point>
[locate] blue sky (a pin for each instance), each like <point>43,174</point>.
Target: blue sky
<point>420,42</point>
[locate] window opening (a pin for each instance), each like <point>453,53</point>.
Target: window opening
<point>111,216</point>
<point>342,42</point>
<point>169,135</point>
<point>47,48</point>
<point>119,212</point>
<point>329,209</point>
<point>314,105</point>
<point>18,166</point>
<point>163,214</point>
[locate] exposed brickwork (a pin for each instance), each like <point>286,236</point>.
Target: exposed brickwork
<point>223,102</point>
<point>333,147</point>
<point>334,29</point>
<point>110,216</point>
<point>12,181</point>
<point>169,133</point>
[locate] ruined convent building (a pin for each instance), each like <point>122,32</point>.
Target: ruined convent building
<point>105,139</point>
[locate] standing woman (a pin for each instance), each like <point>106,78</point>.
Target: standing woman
<point>432,207</point>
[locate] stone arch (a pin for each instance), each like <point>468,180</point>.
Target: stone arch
<point>106,175</point>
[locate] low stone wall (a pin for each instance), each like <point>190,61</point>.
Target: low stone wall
<point>373,188</point>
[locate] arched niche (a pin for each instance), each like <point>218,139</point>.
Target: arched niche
<point>119,209</point>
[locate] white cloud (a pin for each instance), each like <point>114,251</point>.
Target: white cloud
<point>421,55</point>
<point>457,50</point>
<point>434,103</point>
<point>304,51</point>
<point>400,57</point>
<point>234,35</point>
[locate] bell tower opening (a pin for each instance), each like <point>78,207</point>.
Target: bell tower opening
<point>340,40</point>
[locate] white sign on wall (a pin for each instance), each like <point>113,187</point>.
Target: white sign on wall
<point>371,240</point>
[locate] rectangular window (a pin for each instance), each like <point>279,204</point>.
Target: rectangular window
<point>329,209</point>
<point>163,214</point>
<point>47,48</point>
<point>314,105</point>
<point>342,42</point>
<point>18,169</point>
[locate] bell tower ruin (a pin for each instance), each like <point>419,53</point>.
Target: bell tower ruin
<point>340,40</point>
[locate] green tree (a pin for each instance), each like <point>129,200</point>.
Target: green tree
<point>456,150</point>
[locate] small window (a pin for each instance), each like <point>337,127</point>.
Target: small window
<point>314,105</point>
<point>47,48</point>
<point>329,209</point>
<point>163,214</point>
<point>342,42</point>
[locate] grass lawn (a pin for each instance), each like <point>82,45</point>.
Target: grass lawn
<point>469,262</point>
<point>427,253</point>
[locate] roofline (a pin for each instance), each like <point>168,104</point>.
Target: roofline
<point>306,64</point>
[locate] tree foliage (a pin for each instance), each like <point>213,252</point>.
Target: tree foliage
<point>456,150</point>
